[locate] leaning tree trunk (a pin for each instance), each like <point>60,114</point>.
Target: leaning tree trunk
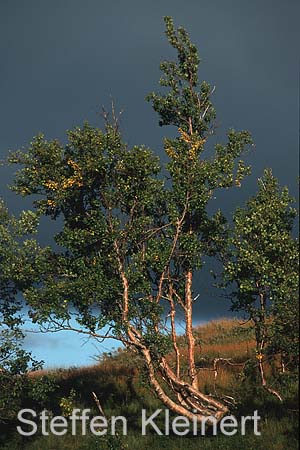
<point>180,396</point>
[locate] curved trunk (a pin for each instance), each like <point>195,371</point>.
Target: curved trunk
<point>195,405</point>
<point>192,403</point>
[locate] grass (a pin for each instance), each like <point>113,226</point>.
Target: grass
<point>275,435</point>
<point>117,382</point>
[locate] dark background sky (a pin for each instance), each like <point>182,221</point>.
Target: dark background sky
<point>62,60</point>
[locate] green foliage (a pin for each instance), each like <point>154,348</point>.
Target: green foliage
<point>19,267</point>
<point>182,104</point>
<point>264,265</point>
<point>67,404</point>
<point>132,232</point>
<point>119,213</point>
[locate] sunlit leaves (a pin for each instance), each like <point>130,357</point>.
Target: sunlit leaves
<point>264,263</point>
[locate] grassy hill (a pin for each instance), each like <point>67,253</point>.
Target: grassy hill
<point>118,381</point>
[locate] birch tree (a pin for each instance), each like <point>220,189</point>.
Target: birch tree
<point>263,265</point>
<point>134,232</point>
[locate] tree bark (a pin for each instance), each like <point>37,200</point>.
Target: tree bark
<point>189,329</point>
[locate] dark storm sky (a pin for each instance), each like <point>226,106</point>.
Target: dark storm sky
<point>62,60</point>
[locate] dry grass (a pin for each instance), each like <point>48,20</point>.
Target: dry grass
<point>238,352</point>
<point>117,382</point>
<point>224,380</point>
<point>224,338</point>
